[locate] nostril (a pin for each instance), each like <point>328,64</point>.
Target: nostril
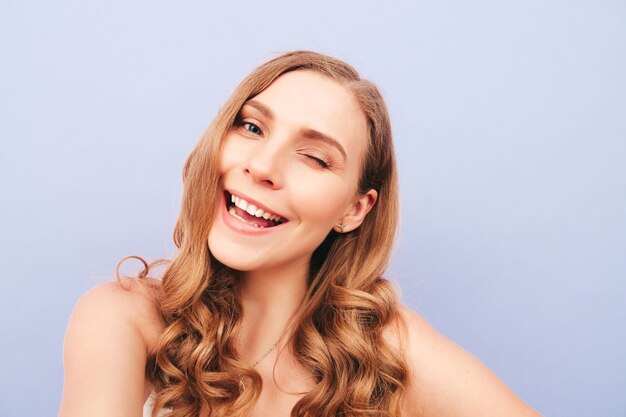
<point>263,169</point>
<point>260,179</point>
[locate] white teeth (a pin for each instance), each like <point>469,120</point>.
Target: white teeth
<point>233,213</point>
<point>253,209</point>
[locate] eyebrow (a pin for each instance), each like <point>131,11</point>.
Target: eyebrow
<point>305,131</point>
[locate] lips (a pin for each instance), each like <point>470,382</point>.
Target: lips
<point>250,211</point>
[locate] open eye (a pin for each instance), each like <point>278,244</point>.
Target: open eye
<point>252,128</point>
<point>247,127</point>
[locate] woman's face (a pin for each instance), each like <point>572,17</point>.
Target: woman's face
<point>292,163</point>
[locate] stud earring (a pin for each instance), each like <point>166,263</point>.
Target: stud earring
<point>341,225</point>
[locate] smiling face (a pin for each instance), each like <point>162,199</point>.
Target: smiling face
<point>294,154</point>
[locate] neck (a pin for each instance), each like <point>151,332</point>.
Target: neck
<point>269,298</point>
<point>274,291</point>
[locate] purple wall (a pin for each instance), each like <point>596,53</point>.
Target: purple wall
<point>511,136</point>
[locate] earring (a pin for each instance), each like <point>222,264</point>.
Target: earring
<point>341,225</point>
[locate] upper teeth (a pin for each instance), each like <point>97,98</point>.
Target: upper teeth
<point>253,210</point>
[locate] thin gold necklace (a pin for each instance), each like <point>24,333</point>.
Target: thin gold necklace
<point>274,346</point>
<point>242,386</point>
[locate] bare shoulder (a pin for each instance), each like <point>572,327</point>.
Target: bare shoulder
<point>444,379</point>
<point>138,300</point>
<point>111,331</point>
<point>130,303</point>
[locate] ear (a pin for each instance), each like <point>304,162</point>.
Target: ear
<point>356,212</point>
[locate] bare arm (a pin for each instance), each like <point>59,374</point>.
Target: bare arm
<point>105,353</point>
<point>446,381</point>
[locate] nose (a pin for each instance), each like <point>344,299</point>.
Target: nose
<point>265,167</point>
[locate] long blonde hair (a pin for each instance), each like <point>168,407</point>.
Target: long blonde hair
<point>338,337</point>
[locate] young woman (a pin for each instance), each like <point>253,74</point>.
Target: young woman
<point>275,304</point>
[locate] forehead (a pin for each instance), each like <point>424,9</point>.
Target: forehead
<point>309,99</point>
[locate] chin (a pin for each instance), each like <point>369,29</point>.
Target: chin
<point>236,263</point>
<point>235,257</point>
<point>247,254</point>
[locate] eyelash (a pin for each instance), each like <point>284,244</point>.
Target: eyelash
<point>319,161</point>
<point>243,124</point>
<point>322,163</point>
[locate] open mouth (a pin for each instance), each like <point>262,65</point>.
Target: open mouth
<point>250,213</point>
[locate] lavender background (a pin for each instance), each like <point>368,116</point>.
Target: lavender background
<point>510,128</point>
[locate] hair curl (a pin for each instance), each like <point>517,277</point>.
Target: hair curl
<point>338,336</point>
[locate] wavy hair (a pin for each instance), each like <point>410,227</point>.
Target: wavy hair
<point>338,332</point>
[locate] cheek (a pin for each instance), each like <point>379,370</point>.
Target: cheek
<point>322,203</point>
<point>230,156</point>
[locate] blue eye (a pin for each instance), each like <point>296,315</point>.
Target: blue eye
<point>252,128</point>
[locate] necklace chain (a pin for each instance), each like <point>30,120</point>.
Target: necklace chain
<point>242,386</point>
<point>270,350</point>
